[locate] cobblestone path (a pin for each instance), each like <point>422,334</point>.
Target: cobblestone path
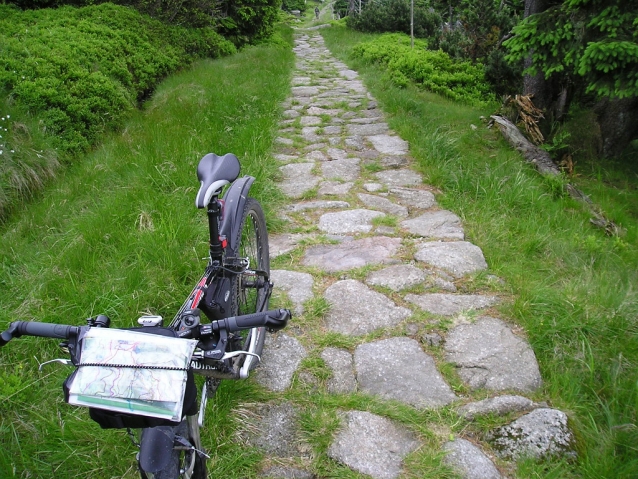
<point>375,265</point>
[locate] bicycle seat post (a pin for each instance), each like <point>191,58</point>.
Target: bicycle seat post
<point>214,213</point>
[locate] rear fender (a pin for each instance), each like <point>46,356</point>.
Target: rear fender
<point>234,203</point>
<point>156,448</point>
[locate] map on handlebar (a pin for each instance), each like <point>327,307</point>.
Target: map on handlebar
<point>132,372</point>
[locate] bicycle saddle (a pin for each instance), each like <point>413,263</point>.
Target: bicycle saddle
<point>214,172</point>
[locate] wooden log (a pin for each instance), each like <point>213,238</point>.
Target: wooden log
<point>532,153</point>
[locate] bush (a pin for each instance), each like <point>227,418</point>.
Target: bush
<point>433,70</point>
<point>80,70</point>
<point>394,16</point>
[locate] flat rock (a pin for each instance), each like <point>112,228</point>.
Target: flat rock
<point>421,199</point>
<point>279,361</point>
<point>398,369</point>
<point>282,244</point>
<point>372,444</point>
<point>355,309</point>
<point>398,277</point>
<point>337,154</point>
<point>404,177</point>
<point>346,169</point>
<point>305,91</point>
<point>543,433</point>
<point>334,188</point>
<point>341,364</point>
<point>435,224</point>
<point>308,120</point>
<point>383,204</point>
<point>309,133</point>
<point>499,405</point>
<point>488,355</point>
<point>393,161</point>
<point>273,429</point>
<point>469,461</point>
<point>390,145</point>
<point>373,187</point>
<point>283,158</point>
<point>349,221</point>
<point>450,304</point>
<point>366,130</point>
<point>352,254</point>
<point>316,155</point>
<point>317,205</point>
<point>457,257</point>
<point>348,74</point>
<point>355,142</point>
<point>298,179</point>
<point>298,286</point>
<point>283,472</point>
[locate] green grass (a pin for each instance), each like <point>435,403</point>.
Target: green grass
<point>574,287</point>
<point>118,234</point>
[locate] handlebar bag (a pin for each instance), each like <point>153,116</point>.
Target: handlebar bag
<point>136,413</point>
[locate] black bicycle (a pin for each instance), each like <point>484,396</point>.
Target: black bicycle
<point>143,378</point>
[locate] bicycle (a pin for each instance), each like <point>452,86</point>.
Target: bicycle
<point>226,343</point>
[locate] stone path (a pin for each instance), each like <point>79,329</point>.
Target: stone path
<point>388,269</point>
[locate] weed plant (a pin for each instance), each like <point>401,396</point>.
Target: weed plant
<point>118,233</point>
<point>574,288</point>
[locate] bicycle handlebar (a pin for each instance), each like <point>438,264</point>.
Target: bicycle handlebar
<point>274,320</point>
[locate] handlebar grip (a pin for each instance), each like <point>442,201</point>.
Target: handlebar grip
<point>34,328</point>
<point>275,319</point>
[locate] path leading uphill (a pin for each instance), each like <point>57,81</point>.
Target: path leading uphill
<point>369,243</point>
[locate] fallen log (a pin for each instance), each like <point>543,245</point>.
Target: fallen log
<point>544,164</point>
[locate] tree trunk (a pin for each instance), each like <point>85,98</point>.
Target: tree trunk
<point>618,120</point>
<point>536,84</point>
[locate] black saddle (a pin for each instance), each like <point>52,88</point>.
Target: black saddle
<point>214,172</point>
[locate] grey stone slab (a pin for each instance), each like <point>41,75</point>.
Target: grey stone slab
<point>310,120</point>
<point>355,309</point>
<point>346,169</point>
<point>488,355</point>
<point>332,130</point>
<point>421,199</point>
<point>348,74</point>
<point>469,460</point>
<point>383,204</point>
<point>272,428</point>
<point>284,141</point>
<point>284,158</point>
<point>298,286</point>
<point>316,155</point>
<point>372,445</point>
<point>349,221</point>
<point>403,177</point>
<point>352,254</point>
<point>316,205</point>
<point>290,114</point>
<point>366,130</point>
<point>393,161</point>
<point>441,224</point>
<point>297,81</point>
<point>285,243</point>
<point>499,405</point>
<point>543,433</point>
<point>309,133</point>
<point>334,188</point>
<point>355,142</point>
<point>305,91</point>
<point>341,364</point>
<point>450,304</point>
<point>284,472</point>
<point>398,369</point>
<point>298,179</point>
<point>398,277</point>
<point>373,187</point>
<point>279,361</point>
<point>318,111</point>
<point>457,257</point>
<point>390,145</point>
<point>337,154</point>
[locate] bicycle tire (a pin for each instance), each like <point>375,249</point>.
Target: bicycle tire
<point>251,242</point>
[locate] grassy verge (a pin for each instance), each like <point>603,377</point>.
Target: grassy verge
<point>118,234</point>
<point>573,288</point>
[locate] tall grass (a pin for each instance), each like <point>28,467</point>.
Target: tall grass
<point>118,234</point>
<point>573,288</point>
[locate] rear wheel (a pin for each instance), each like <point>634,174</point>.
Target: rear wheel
<point>250,288</point>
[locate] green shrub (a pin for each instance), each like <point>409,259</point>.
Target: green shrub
<point>80,70</point>
<point>433,70</point>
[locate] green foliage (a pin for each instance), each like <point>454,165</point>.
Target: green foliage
<point>432,70</point>
<point>394,16</point>
<point>289,5</point>
<point>82,70</point>
<point>248,21</point>
<point>595,41</point>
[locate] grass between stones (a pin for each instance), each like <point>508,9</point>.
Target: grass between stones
<point>573,288</point>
